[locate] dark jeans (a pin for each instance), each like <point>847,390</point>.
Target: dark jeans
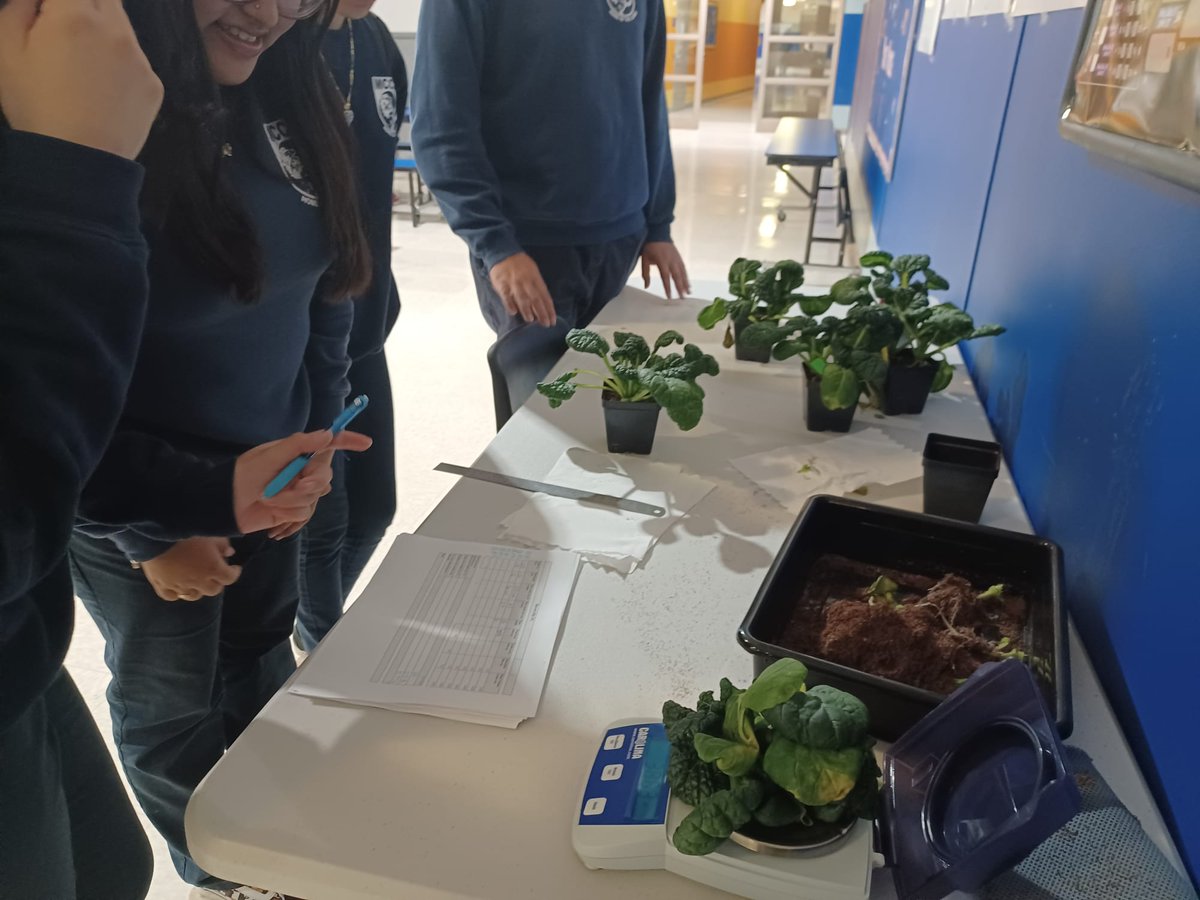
<point>187,678</point>
<point>352,519</point>
<point>67,831</point>
<point>581,280</point>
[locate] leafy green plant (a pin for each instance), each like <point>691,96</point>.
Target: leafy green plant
<point>902,285</point>
<point>845,353</point>
<point>774,753</point>
<point>637,372</point>
<point>761,297</point>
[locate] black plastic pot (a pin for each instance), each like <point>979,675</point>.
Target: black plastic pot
<point>749,354</point>
<point>629,426</point>
<point>917,543</point>
<point>818,416</point>
<point>907,387</point>
<point>958,476</point>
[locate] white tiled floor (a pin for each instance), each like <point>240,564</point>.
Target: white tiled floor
<point>726,205</point>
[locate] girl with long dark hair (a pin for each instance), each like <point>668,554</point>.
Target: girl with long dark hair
<point>251,215</point>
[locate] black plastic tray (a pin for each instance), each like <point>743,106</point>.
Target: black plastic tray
<point>919,543</point>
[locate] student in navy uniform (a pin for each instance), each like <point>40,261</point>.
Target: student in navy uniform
<point>541,127</point>
<point>72,306</point>
<point>255,240</point>
<point>349,524</point>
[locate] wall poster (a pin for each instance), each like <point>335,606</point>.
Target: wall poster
<point>891,80</point>
<point>1134,90</point>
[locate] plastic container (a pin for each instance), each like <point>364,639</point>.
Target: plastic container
<point>958,476</point>
<point>630,427</point>
<point>907,388</point>
<point>975,787</point>
<point>917,543</point>
<point>818,416</point>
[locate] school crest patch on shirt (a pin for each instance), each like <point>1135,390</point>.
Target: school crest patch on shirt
<point>289,160</point>
<point>623,10</point>
<point>387,103</point>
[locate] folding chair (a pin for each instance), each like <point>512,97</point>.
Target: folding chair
<point>519,360</point>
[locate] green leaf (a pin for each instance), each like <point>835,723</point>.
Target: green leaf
<point>560,389</point>
<point>758,335</point>
<point>995,592</point>
<point>986,331</point>
<point>850,290</point>
<point>910,264</point>
<point>875,258</point>
<point>682,723</point>
<point>683,400</point>
<point>666,339</point>
<point>741,275</point>
<point>587,342</point>
<point>713,313</point>
<point>870,367</point>
<point>814,777</point>
<point>945,324</point>
<point>776,683</point>
<point>780,810</point>
<point>823,718</point>
<point>630,348</point>
<point>691,779</point>
<point>731,757</point>
<point>839,387</point>
<point>942,377</point>
<point>863,800</point>
<point>717,817</point>
<point>815,306</point>
<point>935,282</point>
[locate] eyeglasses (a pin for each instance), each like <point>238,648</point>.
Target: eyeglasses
<point>288,9</point>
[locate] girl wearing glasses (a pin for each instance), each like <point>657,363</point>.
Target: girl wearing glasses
<point>251,215</point>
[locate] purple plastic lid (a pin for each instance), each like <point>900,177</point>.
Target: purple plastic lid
<point>975,786</point>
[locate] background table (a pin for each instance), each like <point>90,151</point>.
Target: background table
<point>337,803</point>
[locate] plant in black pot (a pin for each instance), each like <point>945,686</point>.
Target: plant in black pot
<point>639,382</point>
<point>842,359</point>
<point>917,364</point>
<point>761,299</point>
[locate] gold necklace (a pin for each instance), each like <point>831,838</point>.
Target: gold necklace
<point>346,109</point>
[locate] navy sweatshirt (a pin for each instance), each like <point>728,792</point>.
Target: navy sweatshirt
<point>543,122</point>
<point>379,97</point>
<point>216,376</point>
<point>72,304</point>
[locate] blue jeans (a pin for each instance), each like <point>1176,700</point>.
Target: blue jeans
<point>187,678</point>
<point>67,831</point>
<point>581,280</point>
<point>352,519</point>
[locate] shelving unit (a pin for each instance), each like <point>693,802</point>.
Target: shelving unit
<point>797,65</point>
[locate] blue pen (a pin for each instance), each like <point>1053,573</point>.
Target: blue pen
<point>345,417</point>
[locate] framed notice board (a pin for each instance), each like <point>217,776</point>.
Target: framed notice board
<point>891,80</point>
<point>1134,88</point>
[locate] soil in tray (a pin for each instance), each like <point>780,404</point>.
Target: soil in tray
<point>935,634</point>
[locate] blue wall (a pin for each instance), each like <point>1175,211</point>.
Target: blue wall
<point>1093,391</point>
<point>843,85</point>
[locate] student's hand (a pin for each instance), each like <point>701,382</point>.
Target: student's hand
<point>73,70</point>
<point>192,569</point>
<point>665,257</point>
<point>289,510</point>
<point>522,289</point>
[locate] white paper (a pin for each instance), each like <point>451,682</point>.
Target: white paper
<point>989,7</point>
<point>604,536</point>
<point>448,628</point>
<point>955,9</point>
<point>931,18</point>
<point>830,465</point>
<point>1033,7</point>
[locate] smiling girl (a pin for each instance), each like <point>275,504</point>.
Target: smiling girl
<point>252,221</point>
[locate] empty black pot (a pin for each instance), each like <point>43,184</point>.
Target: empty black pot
<point>818,416</point>
<point>629,426</point>
<point>907,388</point>
<point>958,476</point>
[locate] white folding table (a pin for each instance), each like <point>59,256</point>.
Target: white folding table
<point>331,802</point>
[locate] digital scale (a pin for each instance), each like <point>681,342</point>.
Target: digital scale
<point>968,792</point>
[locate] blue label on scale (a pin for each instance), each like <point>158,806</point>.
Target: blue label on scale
<point>628,783</point>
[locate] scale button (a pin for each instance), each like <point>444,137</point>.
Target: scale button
<point>612,773</point>
<point>595,806</point>
<point>614,742</point>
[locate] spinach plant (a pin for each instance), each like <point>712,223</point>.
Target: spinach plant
<point>902,285</point>
<point>774,753</point>
<point>760,297</point>
<point>637,372</point>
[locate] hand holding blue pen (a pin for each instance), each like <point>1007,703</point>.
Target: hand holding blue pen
<point>296,466</point>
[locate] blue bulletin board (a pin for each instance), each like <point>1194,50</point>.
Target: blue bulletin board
<point>710,25</point>
<point>891,79</point>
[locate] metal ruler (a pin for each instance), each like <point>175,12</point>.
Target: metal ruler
<point>554,490</point>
